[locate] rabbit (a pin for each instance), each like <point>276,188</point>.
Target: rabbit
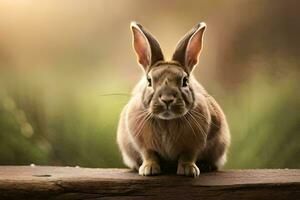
<point>170,120</point>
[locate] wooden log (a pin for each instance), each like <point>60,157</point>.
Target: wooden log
<point>25,182</point>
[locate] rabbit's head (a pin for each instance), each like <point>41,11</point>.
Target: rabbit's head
<point>167,92</point>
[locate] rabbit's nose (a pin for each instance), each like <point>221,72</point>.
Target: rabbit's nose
<point>167,99</point>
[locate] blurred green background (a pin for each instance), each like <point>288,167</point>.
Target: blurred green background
<point>59,58</point>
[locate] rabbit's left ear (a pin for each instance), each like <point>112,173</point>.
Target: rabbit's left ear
<point>188,48</point>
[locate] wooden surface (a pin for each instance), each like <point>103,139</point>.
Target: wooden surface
<point>25,182</point>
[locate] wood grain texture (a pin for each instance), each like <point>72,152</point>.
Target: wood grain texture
<point>25,182</point>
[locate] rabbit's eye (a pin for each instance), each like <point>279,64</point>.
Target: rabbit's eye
<point>149,81</point>
<point>185,82</point>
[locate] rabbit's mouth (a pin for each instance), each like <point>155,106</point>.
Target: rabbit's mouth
<point>168,114</point>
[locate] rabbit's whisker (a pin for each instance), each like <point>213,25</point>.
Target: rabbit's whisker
<point>141,117</point>
<point>115,94</point>
<point>202,116</point>
<point>143,122</point>
<point>184,117</point>
<point>140,112</point>
<point>198,125</point>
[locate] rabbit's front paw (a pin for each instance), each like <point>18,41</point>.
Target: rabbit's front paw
<point>188,169</point>
<point>149,168</point>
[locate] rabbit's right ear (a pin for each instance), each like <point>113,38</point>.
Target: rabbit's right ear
<point>146,46</point>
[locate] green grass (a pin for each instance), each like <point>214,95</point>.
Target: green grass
<point>62,122</point>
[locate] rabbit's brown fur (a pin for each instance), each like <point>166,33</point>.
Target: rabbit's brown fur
<point>170,117</point>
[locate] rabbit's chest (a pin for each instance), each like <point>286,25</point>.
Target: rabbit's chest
<point>167,142</point>
<point>167,139</point>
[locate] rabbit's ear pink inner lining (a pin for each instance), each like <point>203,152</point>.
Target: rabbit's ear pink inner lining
<point>141,47</point>
<point>194,47</point>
